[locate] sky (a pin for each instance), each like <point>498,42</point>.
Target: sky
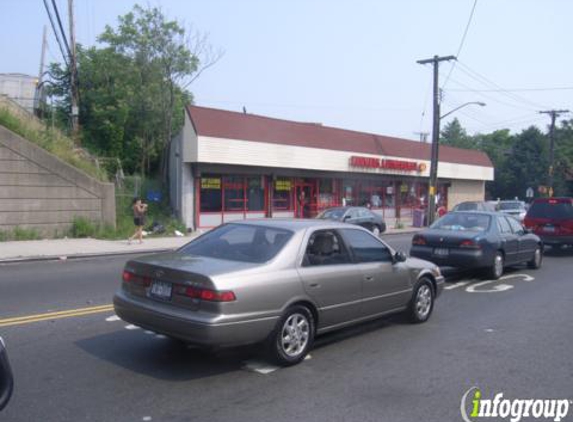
<point>350,64</point>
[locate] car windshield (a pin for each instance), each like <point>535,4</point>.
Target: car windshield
<point>463,222</point>
<point>332,214</point>
<point>555,210</point>
<point>509,206</point>
<point>240,242</point>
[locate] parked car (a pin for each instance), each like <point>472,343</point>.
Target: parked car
<point>6,378</point>
<point>552,220</point>
<point>361,216</point>
<point>475,206</point>
<point>480,240</point>
<point>274,282</point>
<point>514,208</point>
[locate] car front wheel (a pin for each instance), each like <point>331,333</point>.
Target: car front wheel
<point>422,302</point>
<point>376,230</point>
<point>293,336</point>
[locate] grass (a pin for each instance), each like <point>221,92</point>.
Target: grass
<point>52,140</point>
<point>19,233</point>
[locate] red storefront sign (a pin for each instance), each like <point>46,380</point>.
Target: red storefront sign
<point>379,163</point>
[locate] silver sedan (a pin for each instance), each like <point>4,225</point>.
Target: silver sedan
<point>275,282</point>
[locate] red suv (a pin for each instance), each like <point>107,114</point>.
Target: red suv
<point>552,220</point>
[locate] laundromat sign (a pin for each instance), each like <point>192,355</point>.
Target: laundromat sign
<point>379,163</point>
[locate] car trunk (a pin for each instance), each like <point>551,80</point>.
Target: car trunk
<point>178,280</point>
<point>446,238</point>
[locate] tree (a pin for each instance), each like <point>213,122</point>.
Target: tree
<point>455,135</point>
<point>133,88</point>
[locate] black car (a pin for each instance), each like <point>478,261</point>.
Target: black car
<point>6,379</point>
<point>480,240</point>
<point>360,216</point>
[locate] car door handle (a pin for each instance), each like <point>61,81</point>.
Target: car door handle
<point>368,278</point>
<point>315,285</point>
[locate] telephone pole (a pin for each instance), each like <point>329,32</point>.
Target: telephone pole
<point>39,86</point>
<point>554,114</point>
<point>73,74</point>
<point>432,187</point>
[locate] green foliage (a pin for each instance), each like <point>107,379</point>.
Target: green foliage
<point>52,140</point>
<point>19,233</point>
<point>455,135</point>
<point>132,88</point>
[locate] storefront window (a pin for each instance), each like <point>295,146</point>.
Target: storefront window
<point>255,194</point>
<point>234,193</point>
<point>282,198</point>
<point>327,193</point>
<point>210,194</point>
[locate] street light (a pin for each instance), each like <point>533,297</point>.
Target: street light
<point>435,158</point>
<point>479,103</point>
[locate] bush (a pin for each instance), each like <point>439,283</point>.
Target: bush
<point>82,227</point>
<point>19,233</point>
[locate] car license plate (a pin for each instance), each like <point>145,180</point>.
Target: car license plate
<point>161,290</point>
<point>441,251</point>
<point>549,229</point>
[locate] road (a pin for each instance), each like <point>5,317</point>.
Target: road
<point>86,365</point>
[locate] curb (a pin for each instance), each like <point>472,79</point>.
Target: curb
<point>80,256</point>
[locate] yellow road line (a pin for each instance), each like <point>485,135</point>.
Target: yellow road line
<point>55,315</point>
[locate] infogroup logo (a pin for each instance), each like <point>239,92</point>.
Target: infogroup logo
<point>474,407</point>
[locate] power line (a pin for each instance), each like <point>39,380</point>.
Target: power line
<point>63,33</point>
<point>492,98</point>
<point>487,82</point>
<point>558,88</point>
<point>55,32</point>
<point>461,43</point>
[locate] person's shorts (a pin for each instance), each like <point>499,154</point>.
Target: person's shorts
<point>139,221</point>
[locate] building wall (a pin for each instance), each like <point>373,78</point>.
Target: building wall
<point>249,153</point>
<point>19,88</point>
<point>465,190</point>
<point>39,191</point>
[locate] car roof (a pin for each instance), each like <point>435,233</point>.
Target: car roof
<point>294,224</point>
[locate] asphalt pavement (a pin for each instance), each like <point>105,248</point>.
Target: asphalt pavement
<point>74,360</point>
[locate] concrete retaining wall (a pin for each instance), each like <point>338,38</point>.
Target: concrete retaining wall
<point>38,190</point>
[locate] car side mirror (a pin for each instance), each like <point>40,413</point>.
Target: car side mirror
<point>346,217</point>
<point>6,378</point>
<point>400,256</point>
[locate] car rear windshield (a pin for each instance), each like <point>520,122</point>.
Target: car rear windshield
<point>463,222</point>
<point>466,206</point>
<point>240,242</point>
<point>332,214</point>
<point>554,210</point>
<point>505,206</point>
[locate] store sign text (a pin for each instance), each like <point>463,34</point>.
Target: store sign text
<point>378,163</point>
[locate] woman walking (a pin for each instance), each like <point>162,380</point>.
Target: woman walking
<point>139,210</point>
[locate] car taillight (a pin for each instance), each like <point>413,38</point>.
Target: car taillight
<point>132,278</point>
<point>418,240</point>
<point>470,244</point>
<point>209,295</point>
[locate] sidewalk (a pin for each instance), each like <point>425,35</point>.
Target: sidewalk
<point>50,249</point>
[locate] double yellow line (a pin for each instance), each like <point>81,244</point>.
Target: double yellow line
<point>28,319</point>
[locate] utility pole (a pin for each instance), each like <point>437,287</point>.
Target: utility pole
<point>73,74</point>
<point>554,114</point>
<point>433,184</point>
<point>423,136</point>
<point>39,88</point>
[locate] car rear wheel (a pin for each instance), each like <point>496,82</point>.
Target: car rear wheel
<point>496,269</point>
<point>537,258</point>
<point>376,230</point>
<point>293,336</point>
<point>422,302</point>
